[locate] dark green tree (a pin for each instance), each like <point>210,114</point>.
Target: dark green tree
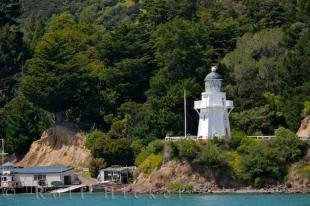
<point>254,65</point>
<point>24,124</point>
<point>128,53</point>
<point>295,75</point>
<point>12,50</point>
<point>270,13</point>
<point>9,11</point>
<point>63,73</point>
<point>257,120</point>
<point>303,11</point>
<point>212,158</point>
<point>259,160</point>
<point>140,121</point>
<point>162,11</point>
<point>109,13</point>
<point>113,151</point>
<point>290,147</point>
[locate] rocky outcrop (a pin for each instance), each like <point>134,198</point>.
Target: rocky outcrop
<point>173,175</point>
<point>179,176</point>
<point>61,144</point>
<point>296,180</point>
<point>304,130</point>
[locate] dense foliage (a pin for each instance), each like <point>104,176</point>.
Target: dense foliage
<point>247,161</point>
<point>62,72</point>
<point>23,122</point>
<point>12,50</point>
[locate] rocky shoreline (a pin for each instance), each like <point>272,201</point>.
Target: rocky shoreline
<point>130,189</point>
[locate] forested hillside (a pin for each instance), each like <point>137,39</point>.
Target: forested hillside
<point>120,66</point>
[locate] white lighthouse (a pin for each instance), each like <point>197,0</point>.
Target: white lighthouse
<point>213,109</point>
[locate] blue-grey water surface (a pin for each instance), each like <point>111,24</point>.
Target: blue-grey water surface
<point>101,199</point>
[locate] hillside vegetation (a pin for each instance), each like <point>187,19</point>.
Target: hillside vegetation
<point>118,68</point>
<point>240,162</point>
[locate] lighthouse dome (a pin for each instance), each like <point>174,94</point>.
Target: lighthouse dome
<point>213,74</point>
<point>213,81</point>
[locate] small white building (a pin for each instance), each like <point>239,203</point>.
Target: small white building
<point>115,175</point>
<point>213,109</point>
<point>45,176</point>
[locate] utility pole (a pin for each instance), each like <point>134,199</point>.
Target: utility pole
<point>185,123</point>
<point>2,154</point>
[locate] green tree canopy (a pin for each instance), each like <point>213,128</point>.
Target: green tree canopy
<point>259,161</point>
<point>162,11</point>
<point>9,11</point>
<point>63,71</point>
<point>24,123</point>
<point>128,53</point>
<point>12,50</point>
<point>113,151</point>
<point>290,147</point>
<point>254,65</point>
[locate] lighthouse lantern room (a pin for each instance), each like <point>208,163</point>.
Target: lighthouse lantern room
<point>213,109</point>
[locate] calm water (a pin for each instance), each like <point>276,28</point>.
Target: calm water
<point>192,200</point>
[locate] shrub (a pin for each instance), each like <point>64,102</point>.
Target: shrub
<point>289,146</point>
<point>114,151</point>
<point>259,160</point>
<point>92,137</point>
<point>304,171</point>
<point>236,138</point>
<point>306,110</point>
<point>221,143</point>
<point>153,147</point>
<point>156,146</point>
<point>152,162</point>
<point>211,157</point>
<point>258,182</point>
<point>186,149</point>
<point>136,146</point>
<point>254,120</point>
<point>234,162</point>
<point>177,187</point>
<point>95,165</point>
<point>119,129</point>
<point>141,156</point>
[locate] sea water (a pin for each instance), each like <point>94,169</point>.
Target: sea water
<point>94,199</point>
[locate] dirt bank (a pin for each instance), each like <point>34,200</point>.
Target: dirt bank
<point>61,144</point>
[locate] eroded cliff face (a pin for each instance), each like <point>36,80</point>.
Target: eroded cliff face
<point>304,129</point>
<point>61,144</point>
<point>174,175</point>
<point>179,176</point>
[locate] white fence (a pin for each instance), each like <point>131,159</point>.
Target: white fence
<point>175,138</point>
<point>269,137</point>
